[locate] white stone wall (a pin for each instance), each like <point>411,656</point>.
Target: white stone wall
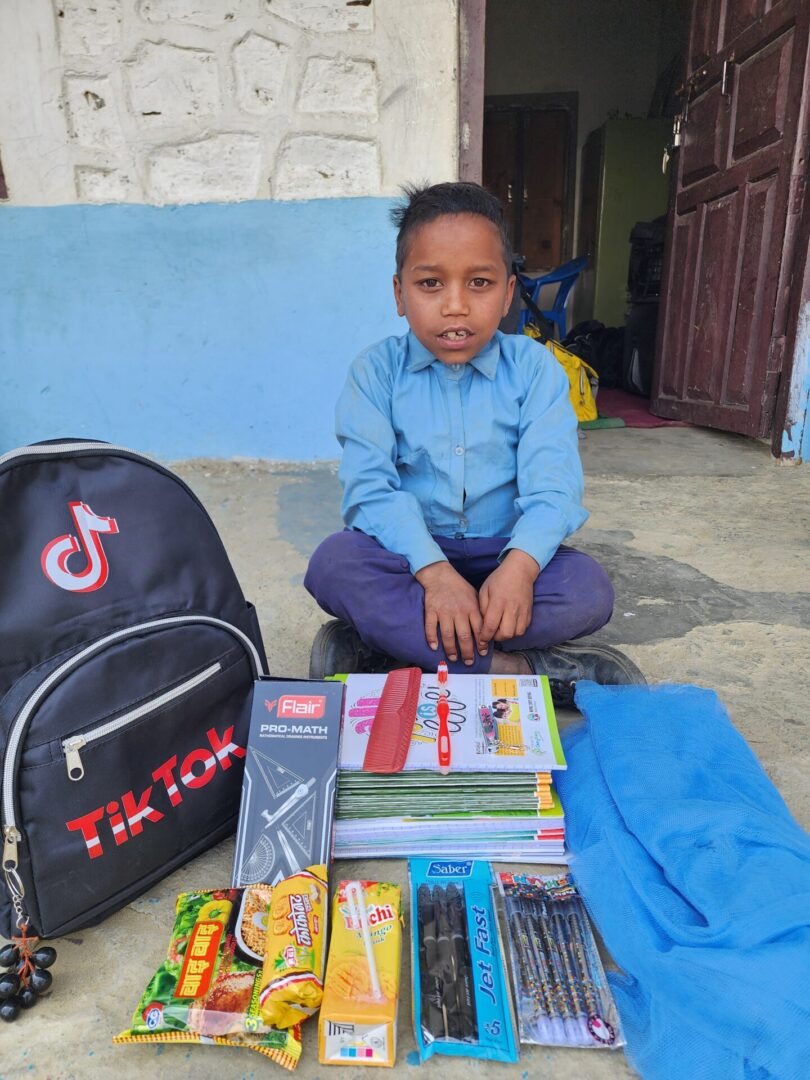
<point>174,101</point>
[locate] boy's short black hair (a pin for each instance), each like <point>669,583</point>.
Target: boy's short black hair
<point>428,202</point>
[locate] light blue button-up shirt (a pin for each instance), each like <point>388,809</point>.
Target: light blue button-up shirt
<point>486,448</point>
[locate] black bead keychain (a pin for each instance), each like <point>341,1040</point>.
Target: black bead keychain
<point>24,963</point>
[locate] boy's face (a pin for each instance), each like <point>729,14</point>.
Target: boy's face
<point>454,287</point>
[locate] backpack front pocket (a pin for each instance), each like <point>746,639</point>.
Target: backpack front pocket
<point>127,764</point>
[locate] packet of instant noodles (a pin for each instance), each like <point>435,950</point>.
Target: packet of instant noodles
<point>207,988</point>
<point>295,948</point>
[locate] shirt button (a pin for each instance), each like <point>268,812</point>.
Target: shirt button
<point>458,450</point>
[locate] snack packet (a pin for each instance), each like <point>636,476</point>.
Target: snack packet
<point>295,948</point>
<point>283,1047</point>
<point>207,988</point>
<point>461,1002</point>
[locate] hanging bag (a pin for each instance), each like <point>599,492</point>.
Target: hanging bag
<point>582,379</point>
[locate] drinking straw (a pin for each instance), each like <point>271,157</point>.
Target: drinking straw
<point>356,901</point>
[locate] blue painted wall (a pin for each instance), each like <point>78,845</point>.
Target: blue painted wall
<point>191,331</point>
<point>796,435</point>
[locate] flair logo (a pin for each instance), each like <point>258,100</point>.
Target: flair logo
<point>55,555</point>
<point>297,706</point>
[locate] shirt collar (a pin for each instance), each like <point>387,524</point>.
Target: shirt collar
<point>486,361</point>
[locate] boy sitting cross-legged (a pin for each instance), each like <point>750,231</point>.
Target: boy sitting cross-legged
<point>461,478</point>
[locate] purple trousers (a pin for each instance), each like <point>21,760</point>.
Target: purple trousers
<point>354,579</point>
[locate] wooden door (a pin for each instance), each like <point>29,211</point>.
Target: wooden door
<point>544,151</point>
<point>526,163</point>
<point>499,164</point>
<point>734,216</point>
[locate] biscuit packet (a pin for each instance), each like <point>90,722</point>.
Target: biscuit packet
<point>207,988</point>
<point>295,948</point>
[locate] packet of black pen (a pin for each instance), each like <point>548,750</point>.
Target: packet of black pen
<point>461,1002</point>
<point>562,995</point>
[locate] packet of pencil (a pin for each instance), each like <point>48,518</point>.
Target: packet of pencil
<point>563,996</point>
<point>461,1000</point>
<point>358,1019</point>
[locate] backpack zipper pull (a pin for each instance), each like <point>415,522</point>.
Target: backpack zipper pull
<point>11,837</point>
<point>16,891</point>
<point>73,761</point>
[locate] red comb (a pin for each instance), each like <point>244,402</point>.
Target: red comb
<point>390,739</point>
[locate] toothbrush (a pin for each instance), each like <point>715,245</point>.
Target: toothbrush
<point>443,712</point>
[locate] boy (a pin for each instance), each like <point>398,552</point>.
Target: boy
<point>461,478</point>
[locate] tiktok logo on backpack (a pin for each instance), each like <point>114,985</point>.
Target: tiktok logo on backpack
<point>55,555</point>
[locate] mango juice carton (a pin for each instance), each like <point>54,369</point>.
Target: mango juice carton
<point>358,1018</point>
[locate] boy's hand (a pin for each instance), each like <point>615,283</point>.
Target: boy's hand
<point>451,607</point>
<point>507,598</point>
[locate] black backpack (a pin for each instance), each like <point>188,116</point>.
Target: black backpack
<point>127,658</point>
<point>600,346</point>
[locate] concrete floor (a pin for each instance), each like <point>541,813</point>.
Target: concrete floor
<point>706,539</point>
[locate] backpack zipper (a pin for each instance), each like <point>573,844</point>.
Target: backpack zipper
<point>66,449</point>
<point>72,746</point>
<point>11,834</point>
<point>45,449</point>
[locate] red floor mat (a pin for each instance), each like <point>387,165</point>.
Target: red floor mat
<point>634,410</point>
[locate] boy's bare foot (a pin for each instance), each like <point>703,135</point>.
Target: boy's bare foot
<point>507,663</point>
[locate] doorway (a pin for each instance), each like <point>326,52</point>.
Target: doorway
<point>727,353</point>
<point>529,162</point>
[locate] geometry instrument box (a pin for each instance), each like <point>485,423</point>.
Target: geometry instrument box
<point>288,793</point>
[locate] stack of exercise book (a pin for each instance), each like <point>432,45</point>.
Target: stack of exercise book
<point>497,802</point>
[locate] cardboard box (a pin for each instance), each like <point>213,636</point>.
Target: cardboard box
<point>354,1028</point>
<point>286,815</point>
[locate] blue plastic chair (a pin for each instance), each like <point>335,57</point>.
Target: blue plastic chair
<point>564,276</point>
